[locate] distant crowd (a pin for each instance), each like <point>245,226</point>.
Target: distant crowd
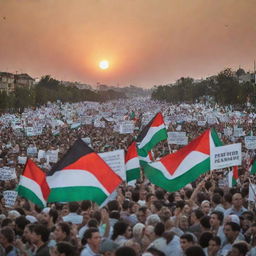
<point>206,217</point>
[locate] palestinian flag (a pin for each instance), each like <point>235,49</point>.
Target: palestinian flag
<point>33,184</point>
<point>145,159</point>
<point>176,170</point>
<point>252,168</point>
<point>132,163</point>
<point>81,175</point>
<point>233,177</point>
<point>151,135</point>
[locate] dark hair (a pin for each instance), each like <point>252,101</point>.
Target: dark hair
<point>205,222</point>
<point>219,215</point>
<point>67,248</point>
<point>205,238</point>
<point>113,206</point>
<point>242,247</point>
<point>194,250</point>
<point>43,231</point>
<point>180,204</point>
<point>216,239</point>
<point>119,229</point>
<point>234,226</point>
<point>92,223</point>
<point>159,229</point>
<point>73,206</point>
<point>219,191</point>
<point>8,233</point>
<point>88,234</point>
<point>114,215</point>
<point>97,215</point>
<point>21,211</point>
<point>155,251</point>
<point>125,251</point>
<point>21,222</point>
<point>228,198</point>
<point>54,214</point>
<point>6,222</point>
<point>86,205</point>
<point>158,204</point>
<point>135,195</point>
<point>159,194</point>
<point>64,227</point>
<point>216,198</point>
<point>187,237</point>
<point>198,213</point>
<point>125,204</point>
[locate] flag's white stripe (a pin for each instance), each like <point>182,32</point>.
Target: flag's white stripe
<point>33,186</point>
<point>212,144</point>
<point>132,163</point>
<point>188,162</point>
<point>74,178</point>
<point>151,132</point>
<point>145,159</point>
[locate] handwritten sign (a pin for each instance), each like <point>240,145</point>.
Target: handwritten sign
<point>10,197</point>
<point>7,173</point>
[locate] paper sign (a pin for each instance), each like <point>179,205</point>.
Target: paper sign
<point>32,150</point>
<point>201,123</point>
<point>7,173</point>
<point>22,159</point>
<point>238,132</point>
<point>250,142</point>
<point>41,154</point>
<point>53,155</point>
<point>126,128</point>
<point>178,138</point>
<point>10,197</point>
<point>115,160</point>
<point>226,156</point>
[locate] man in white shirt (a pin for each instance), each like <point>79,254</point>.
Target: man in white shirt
<point>73,217</point>
<point>93,240</point>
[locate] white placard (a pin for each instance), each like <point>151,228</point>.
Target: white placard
<point>126,128</point>
<point>32,150</point>
<point>10,197</point>
<point>22,159</point>
<point>178,138</point>
<point>252,192</point>
<point>250,142</point>
<point>238,132</point>
<point>115,160</point>
<point>99,124</point>
<point>228,131</point>
<point>201,123</point>
<point>41,154</point>
<point>226,156</point>
<point>53,155</point>
<point>75,125</point>
<point>7,173</point>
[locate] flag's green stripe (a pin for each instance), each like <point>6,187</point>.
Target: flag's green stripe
<point>216,138</point>
<point>156,177</point>
<point>30,195</point>
<point>234,182</point>
<point>157,137</point>
<point>79,193</point>
<point>133,174</point>
<point>253,170</point>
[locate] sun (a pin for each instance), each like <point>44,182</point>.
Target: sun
<point>104,64</point>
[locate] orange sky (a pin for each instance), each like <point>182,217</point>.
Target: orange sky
<point>148,42</point>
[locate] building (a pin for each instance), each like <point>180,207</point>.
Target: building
<point>7,82</point>
<point>24,80</point>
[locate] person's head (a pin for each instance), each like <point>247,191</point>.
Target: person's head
<point>125,251</point>
<point>183,222</point>
<point>63,249</point>
<point>62,231</point>
<point>186,241</point>
<point>159,229</point>
<point>142,214</point>
<point>92,237</point>
<point>40,234</point>
<point>194,250</point>
<point>239,249</point>
<point>204,239</point>
<point>20,224</point>
<point>216,198</point>
<point>231,231</point>
<point>196,215</point>
<point>214,245</point>
<point>156,206</point>
<point>7,236</point>
<point>53,214</point>
<point>237,200</point>
<point>216,219</point>
<point>138,230</point>
<point>119,228</point>
<point>205,222</point>
<point>28,232</point>
<point>108,247</point>
<point>205,206</point>
<point>73,207</point>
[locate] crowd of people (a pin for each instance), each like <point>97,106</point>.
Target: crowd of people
<point>206,217</point>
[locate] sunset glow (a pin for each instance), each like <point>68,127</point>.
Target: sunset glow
<point>104,64</point>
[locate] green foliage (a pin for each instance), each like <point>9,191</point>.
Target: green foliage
<point>49,89</point>
<point>225,89</point>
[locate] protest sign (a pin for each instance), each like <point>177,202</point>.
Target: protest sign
<point>201,123</point>
<point>238,132</point>
<point>41,154</point>
<point>228,131</point>
<point>250,142</point>
<point>115,160</point>
<point>226,156</point>
<point>126,128</point>
<point>32,150</point>
<point>178,138</point>
<point>10,197</point>
<point>22,159</point>
<point>7,173</point>
<point>87,140</point>
<point>53,155</point>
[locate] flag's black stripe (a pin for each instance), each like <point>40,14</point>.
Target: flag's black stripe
<point>78,150</point>
<point>144,132</point>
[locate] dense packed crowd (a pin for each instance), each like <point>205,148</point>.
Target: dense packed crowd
<point>206,217</point>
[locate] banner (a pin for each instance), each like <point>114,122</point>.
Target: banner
<point>178,138</point>
<point>7,173</point>
<point>115,160</point>
<point>226,156</point>
<point>126,128</point>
